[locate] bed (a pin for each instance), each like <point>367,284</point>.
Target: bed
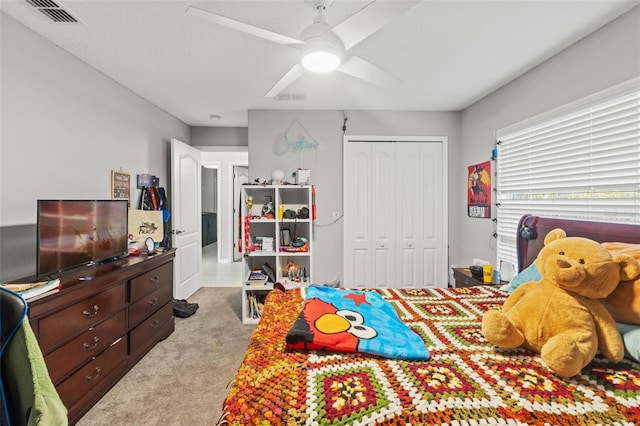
<point>464,381</point>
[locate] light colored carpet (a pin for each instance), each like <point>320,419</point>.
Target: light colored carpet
<point>183,380</point>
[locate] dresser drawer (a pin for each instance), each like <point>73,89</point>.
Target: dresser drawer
<point>150,328</point>
<point>149,304</point>
<point>89,376</point>
<point>80,316</point>
<point>69,356</point>
<point>162,276</point>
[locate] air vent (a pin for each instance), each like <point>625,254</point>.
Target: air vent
<point>52,11</point>
<point>284,96</point>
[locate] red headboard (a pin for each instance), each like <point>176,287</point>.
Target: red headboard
<point>532,230</point>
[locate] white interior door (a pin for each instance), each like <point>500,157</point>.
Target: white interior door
<point>420,220</point>
<point>395,212</point>
<point>383,212</point>
<point>357,199</point>
<point>186,220</point>
<point>240,177</point>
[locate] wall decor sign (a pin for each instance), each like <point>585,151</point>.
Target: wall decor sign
<point>120,185</point>
<point>147,180</point>
<point>479,190</point>
<point>295,140</point>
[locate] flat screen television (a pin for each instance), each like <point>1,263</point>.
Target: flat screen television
<point>71,233</point>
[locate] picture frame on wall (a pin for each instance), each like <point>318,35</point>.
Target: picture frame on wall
<point>120,185</point>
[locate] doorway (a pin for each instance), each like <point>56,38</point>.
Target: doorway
<point>219,266</point>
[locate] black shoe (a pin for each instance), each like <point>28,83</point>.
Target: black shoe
<point>184,309</point>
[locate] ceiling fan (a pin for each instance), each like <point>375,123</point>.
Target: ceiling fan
<point>325,48</point>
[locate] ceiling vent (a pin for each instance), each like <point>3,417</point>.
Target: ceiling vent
<point>285,96</point>
<point>52,11</point>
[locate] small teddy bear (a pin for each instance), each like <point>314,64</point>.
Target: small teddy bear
<point>560,316</point>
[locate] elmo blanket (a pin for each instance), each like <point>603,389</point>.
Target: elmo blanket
<point>353,321</point>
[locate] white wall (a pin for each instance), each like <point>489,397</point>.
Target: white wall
<point>605,58</point>
<point>267,126</point>
<point>65,126</point>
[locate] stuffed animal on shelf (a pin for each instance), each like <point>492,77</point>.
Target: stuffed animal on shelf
<point>561,316</point>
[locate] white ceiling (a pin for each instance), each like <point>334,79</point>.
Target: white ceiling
<point>449,54</point>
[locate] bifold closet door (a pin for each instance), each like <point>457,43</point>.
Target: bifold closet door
<point>394,223</point>
<point>419,219</point>
<point>370,231</point>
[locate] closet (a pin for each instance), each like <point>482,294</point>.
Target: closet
<point>395,204</point>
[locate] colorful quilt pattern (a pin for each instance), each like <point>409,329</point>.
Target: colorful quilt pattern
<point>465,380</point>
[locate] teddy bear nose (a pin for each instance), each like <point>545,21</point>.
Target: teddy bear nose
<point>563,263</point>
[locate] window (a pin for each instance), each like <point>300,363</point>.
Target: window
<point>581,161</point>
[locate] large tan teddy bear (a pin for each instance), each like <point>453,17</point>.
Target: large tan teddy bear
<point>560,316</point>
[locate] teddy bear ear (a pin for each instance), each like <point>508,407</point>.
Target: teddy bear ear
<point>629,267</point>
<point>554,234</point>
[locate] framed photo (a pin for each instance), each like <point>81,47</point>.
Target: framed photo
<point>120,185</point>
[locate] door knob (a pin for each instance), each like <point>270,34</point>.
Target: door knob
<point>176,231</point>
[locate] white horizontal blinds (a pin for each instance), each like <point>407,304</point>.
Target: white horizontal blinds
<point>581,162</point>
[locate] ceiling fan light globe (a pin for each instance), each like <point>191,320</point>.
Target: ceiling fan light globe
<point>320,61</point>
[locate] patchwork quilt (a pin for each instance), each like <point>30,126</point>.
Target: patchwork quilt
<point>465,380</point>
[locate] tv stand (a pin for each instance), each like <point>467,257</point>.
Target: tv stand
<point>92,331</point>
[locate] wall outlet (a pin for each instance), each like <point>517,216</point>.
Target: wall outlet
<point>335,215</point>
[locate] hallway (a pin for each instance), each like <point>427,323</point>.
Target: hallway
<point>216,274</point>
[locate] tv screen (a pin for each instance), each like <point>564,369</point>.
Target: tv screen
<point>78,232</point>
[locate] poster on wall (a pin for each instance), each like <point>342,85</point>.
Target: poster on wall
<point>479,190</point>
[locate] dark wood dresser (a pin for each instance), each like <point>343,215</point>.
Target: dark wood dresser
<point>103,320</point>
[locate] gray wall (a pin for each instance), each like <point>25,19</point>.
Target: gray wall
<point>605,58</point>
<point>209,187</point>
<point>219,136</point>
<point>65,126</point>
<point>267,126</point>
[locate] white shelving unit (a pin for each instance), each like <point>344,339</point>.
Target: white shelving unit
<point>284,244</point>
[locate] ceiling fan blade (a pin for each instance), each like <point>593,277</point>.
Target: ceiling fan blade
<point>370,19</point>
<point>241,26</point>
<point>292,75</point>
<point>359,68</point>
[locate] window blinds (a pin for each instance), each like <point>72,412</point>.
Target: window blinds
<point>581,161</point>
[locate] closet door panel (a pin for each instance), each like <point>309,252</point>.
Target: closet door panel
<point>361,269</point>
<point>432,221</point>
<point>383,212</point>
<point>410,218</point>
<point>357,228</point>
<point>419,199</point>
<point>429,269</point>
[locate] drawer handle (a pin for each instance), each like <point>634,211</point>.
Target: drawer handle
<point>153,301</point>
<point>89,378</point>
<point>91,346</point>
<point>154,324</point>
<point>155,279</point>
<point>89,314</point>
